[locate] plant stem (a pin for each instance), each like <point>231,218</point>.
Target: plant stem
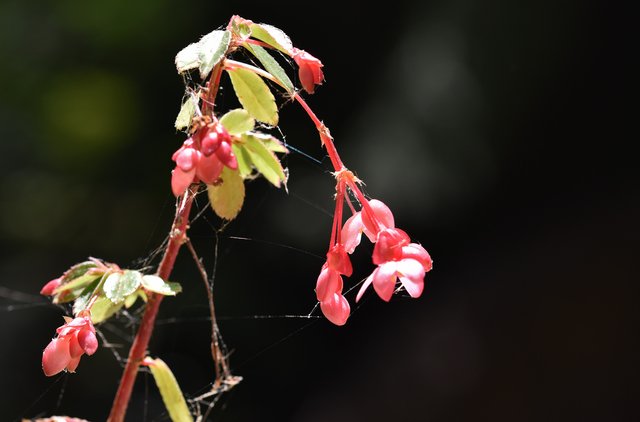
<point>139,347</point>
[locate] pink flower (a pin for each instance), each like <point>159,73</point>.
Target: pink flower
<point>397,259</point>
<point>309,70</point>
<point>74,339</point>
<point>202,158</point>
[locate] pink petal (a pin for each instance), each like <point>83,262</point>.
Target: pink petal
<point>88,341</point>
<point>55,356</point>
<point>389,245</point>
<point>73,364</point>
<point>351,232</point>
<point>336,309</point>
<point>181,180</point>
<point>338,260</point>
<point>329,282</point>
<point>417,252</point>
<point>364,286</point>
<point>411,274</point>
<point>383,216</point>
<point>75,349</point>
<point>209,169</point>
<point>48,288</point>
<point>384,280</point>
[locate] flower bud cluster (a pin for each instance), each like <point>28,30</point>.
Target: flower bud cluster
<point>202,157</point>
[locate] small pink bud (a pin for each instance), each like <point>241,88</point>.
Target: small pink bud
<point>181,180</point>
<point>48,288</point>
<point>226,155</point>
<point>336,309</point>
<point>209,169</point>
<point>210,143</point>
<point>187,159</point>
<point>329,282</point>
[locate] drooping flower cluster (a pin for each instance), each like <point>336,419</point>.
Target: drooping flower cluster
<point>75,338</point>
<point>202,158</point>
<point>396,257</point>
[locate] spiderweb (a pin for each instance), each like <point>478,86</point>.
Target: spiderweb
<point>281,302</point>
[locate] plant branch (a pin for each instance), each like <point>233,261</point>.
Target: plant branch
<point>140,343</point>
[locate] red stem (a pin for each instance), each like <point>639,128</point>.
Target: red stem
<point>139,347</point>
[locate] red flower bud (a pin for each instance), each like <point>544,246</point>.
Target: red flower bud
<point>226,155</point>
<point>48,288</point>
<point>309,70</point>
<point>210,143</point>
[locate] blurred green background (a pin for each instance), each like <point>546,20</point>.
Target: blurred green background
<point>494,130</point>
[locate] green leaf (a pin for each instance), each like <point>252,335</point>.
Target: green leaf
<point>227,197</point>
<point>273,36</point>
<point>271,65</point>
<point>169,390</point>
<point>130,300</point>
<point>77,270</point>
<point>77,283</point>
<point>271,142</point>
<point>254,95</point>
<point>187,111</point>
<point>213,47</point>
<point>244,160</point>
<point>264,160</point>
<point>120,285</point>
<point>103,308</point>
<point>82,300</point>
<point>237,121</point>
<point>188,58</point>
<point>155,284</point>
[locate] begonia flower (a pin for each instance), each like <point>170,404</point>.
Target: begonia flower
<point>74,339</point>
<point>309,70</point>
<point>397,259</point>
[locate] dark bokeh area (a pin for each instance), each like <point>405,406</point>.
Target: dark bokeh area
<point>495,131</point>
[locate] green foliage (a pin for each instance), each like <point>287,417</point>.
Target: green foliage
<point>169,390</point>
<point>264,160</point>
<point>227,197</point>
<point>204,54</point>
<point>118,285</point>
<point>273,36</point>
<point>237,121</point>
<point>254,95</point>
<point>187,110</point>
<point>271,66</point>
<point>155,284</point>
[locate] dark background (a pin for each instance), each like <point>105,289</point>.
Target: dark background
<point>494,130</point>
